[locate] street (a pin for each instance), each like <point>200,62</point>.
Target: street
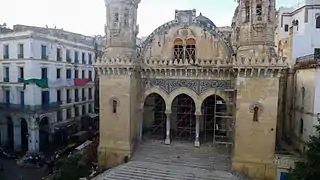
<point>11,171</point>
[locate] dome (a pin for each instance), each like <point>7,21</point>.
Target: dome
<point>204,20</point>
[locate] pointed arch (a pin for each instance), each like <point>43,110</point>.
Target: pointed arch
<point>187,91</point>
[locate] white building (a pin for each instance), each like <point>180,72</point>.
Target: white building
<point>305,19</point>
<point>36,55</point>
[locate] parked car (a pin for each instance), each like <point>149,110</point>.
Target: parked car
<point>31,160</point>
<point>7,155</point>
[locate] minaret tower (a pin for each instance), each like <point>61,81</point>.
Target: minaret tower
<point>256,25</point>
<point>119,84</point>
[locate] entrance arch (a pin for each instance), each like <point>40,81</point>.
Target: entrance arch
<point>183,117</point>
<point>24,135</point>
<point>154,117</point>
<point>216,123</point>
<point>10,133</point>
<point>44,129</point>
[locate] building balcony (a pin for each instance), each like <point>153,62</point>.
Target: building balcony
<point>6,79</point>
<point>309,57</point>
<point>22,107</point>
<point>76,99</point>
<point>68,59</point>
<point>44,57</point>
<point>69,100</point>
<point>59,58</point>
<point>6,56</point>
<point>20,80</point>
<point>20,56</point>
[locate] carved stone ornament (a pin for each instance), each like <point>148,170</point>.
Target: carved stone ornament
<point>256,104</point>
<point>198,86</point>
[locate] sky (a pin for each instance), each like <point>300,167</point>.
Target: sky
<point>88,16</point>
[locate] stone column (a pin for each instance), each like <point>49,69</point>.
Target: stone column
<point>3,134</point>
<point>167,141</point>
<point>17,136</point>
<point>141,124</point>
<point>33,139</point>
<point>197,142</point>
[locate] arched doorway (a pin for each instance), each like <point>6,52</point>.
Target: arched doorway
<point>10,144</point>
<point>154,117</point>
<point>183,118</point>
<point>24,135</point>
<point>44,129</point>
<point>216,121</point>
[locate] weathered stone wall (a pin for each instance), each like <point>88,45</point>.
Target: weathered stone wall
<point>255,141</point>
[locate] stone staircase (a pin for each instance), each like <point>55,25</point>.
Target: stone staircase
<point>153,160</point>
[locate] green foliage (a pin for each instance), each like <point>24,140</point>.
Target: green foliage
<point>309,169</point>
<point>72,168</point>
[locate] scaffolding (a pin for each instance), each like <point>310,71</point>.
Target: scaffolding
<point>156,105</point>
<point>185,120</point>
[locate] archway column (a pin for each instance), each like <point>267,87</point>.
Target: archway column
<point>17,135</point>
<point>198,119</point>
<point>33,131</point>
<point>168,121</point>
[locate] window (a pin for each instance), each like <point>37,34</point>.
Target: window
<point>90,108</point>
<point>58,73</point>
<point>7,95</point>
<point>21,74</point>
<point>83,74</point>
<point>20,51</point>
<point>116,17</point>
<point>76,57</point>
<point>90,93</point>
<point>58,96</point>
<point>45,95</point>
<point>68,57</point>
<point>255,114</point>
<point>69,113</point>
<point>6,76</point>
<point>259,9</point>
<point>301,127</point>
<point>44,73</point>
<point>318,22</point>
<point>247,9</point>
<point>76,111</point>
<point>317,53</point>
<point>114,106</point>
<point>90,75</point>
<point>178,50</point>
<point>76,95</point>
<point>84,109</point>
<point>286,28</point>
<point>303,94</point>
<point>68,73</point>
<point>59,116</point>
<point>126,17</point>
<point>190,50</point>
<point>68,96</point>
<point>83,58</point>
<point>59,54</point>
<point>44,52</point>
<point>76,74</point>
<point>6,52</point>
<point>83,94</point>
<point>90,58</point>
<point>21,97</point>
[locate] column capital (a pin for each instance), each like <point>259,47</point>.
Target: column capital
<point>197,114</point>
<point>168,112</point>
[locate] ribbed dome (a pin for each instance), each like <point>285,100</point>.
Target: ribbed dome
<point>204,20</point>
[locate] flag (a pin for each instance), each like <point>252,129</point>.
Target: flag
<point>56,83</point>
<point>42,83</point>
<point>81,82</point>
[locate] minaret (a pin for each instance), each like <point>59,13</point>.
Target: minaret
<point>119,84</point>
<point>121,27</point>
<point>255,28</point>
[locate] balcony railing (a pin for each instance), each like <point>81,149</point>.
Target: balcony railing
<point>44,57</point>
<point>9,106</point>
<point>20,56</point>
<point>6,56</point>
<point>309,57</point>
<point>20,80</point>
<point>6,79</point>
<point>59,58</point>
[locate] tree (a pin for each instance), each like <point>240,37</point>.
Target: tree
<point>310,168</point>
<point>72,168</point>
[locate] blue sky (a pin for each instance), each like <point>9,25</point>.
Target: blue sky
<point>83,17</point>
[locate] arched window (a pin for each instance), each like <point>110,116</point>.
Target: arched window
<point>255,114</point>
<point>114,106</point>
<point>190,53</point>
<point>178,52</point>
<point>259,9</point>
<point>318,22</point>
<point>247,10</point>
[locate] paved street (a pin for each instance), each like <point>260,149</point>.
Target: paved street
<point>13,172</point>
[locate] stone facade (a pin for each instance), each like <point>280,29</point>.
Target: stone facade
<point>190,56</point>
